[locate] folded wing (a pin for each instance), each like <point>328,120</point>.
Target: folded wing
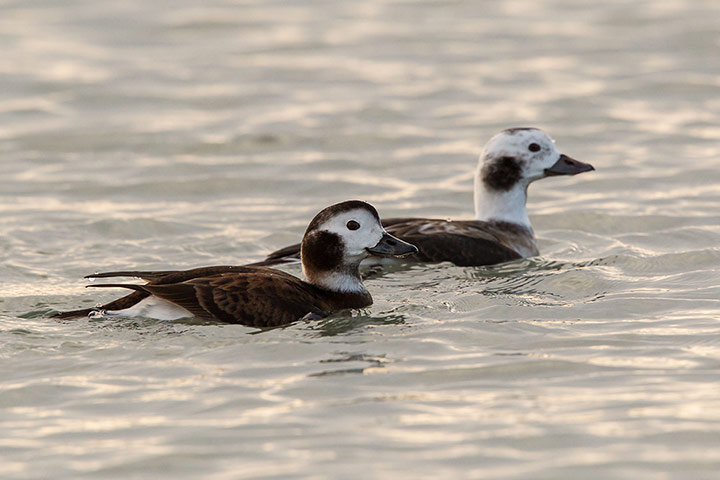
<point>462,242</point>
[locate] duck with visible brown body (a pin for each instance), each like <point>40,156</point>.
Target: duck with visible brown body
<point>334,244</point>
<point>501,230</point>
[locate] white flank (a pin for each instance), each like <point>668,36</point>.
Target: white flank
<point>153,307</point>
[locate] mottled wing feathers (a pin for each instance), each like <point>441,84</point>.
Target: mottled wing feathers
<point>253,296</point>
<point>258,297</point>
<point>464,243</point>
<point>460,250</point>
<point>155,277</point>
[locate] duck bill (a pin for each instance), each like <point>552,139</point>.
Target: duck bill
<point>391,246</point>
<point>568,166</point>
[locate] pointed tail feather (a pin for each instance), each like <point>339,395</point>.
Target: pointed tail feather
<point>145,275</point>
<point>120,304</point>
<point>73,314</point>
<point>137,288</point>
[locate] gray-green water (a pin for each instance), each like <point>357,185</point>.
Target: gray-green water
<point>179,134</point>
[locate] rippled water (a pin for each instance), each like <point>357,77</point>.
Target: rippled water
<point>177,134</point>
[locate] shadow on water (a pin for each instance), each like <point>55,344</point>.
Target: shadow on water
<point>549,279</point>
<point>335,325</point>
<point>40,310</point>
<point>522,278</point>
<point>374,362</point>
<point>535,265</point>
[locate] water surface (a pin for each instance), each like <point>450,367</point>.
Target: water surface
<point>174,135</point>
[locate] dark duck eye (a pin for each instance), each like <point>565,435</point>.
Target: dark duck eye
<point>534,147</point>
<point>352,225</point>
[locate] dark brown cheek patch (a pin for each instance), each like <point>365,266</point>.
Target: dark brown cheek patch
<point>322,251</point>
<point>502,173</point>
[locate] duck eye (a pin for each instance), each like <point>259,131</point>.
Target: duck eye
<point>352,225</point>
<point>534,147</point>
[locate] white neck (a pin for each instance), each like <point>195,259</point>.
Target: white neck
<point>342,282</point>
<point>502,205</point>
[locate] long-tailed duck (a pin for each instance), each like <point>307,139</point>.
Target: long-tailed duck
<point>334,244</point>
<point>501,230</point>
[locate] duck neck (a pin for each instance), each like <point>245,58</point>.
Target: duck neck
<point>501,205</point>
<point>338,281</point>
<point>342,288</point>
